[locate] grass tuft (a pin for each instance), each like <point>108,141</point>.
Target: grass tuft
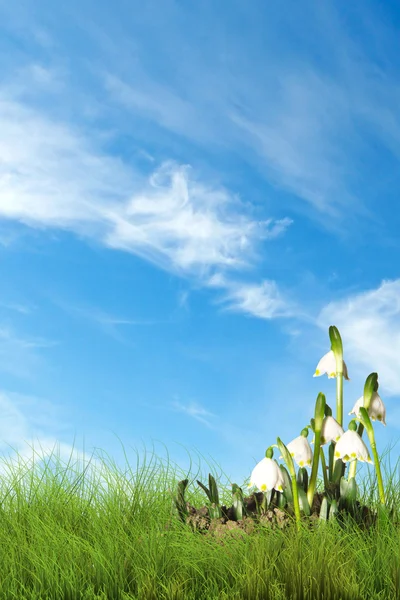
<point>66,538</point>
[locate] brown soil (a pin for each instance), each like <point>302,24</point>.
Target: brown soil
<point>274,518</point>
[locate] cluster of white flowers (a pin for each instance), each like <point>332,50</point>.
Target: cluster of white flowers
<point>349,446</point>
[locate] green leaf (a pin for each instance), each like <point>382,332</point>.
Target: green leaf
<point>348,492</point>
<point>239,509</point>
<point>331,458</point>
<point>207,491</point>
<point>281,500</point>
<point>333,510</point>
<point>343,487</point>
<point>323,513</point>
<point>212,494</point>
<point>213,489</point>
<point>288,484</point>
<point>258,505</point>
<point>179,501</point>
<point>302,478</point>
<point>303,502</point>
<point>338,470</point>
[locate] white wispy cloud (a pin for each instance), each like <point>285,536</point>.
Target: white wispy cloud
<point>52,177</point>
<point>369,323</point>
<point>263,300</point>
<point>190,225</point>
<point>195,410</point>
<point>294,115</point>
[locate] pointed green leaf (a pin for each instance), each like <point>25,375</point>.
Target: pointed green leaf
<point>302,478</point>
<point>299,477</point>
<point>343,487</point>
<point>239,508</point>
<point>305,479</point>
<point>207,491</point>
<point>288,484</point>
<point>323,513</point>
<point>213,489</point>
<point>258,505</point>
<point>333,510</point>
<point>180,500</point>
<point>281,500</point>
<point>348,490</point>
<point>331,458</point>
<point>338,470</point>
<point>303,502</point>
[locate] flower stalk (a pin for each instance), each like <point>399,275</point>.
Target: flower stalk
<point>337,349</point>
<point>364,418</point>
<point>324,467</point>
<point>318,420</point>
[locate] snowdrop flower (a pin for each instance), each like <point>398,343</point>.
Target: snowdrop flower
<point>301,451</point>
<point>327,365</point>
<point>266,475</point>
<point>330,430</point>
<point>350,447</point>
<point>376,409</point>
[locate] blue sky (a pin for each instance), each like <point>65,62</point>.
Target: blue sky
<point>190,194</point>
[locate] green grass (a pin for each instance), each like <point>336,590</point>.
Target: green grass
<point>66,538</point>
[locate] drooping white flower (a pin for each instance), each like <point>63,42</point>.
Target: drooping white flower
<point>376,410</point>
<point>351,447</point>
<point>330,430</point>
<point>301,451</point>
<point>266,475</point>
<point>327,365</point>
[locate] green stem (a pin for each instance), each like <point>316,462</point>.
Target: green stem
<point>337,349</point>
<point>296,500</point>
<point>318,420</point>
<point>378,472</point>
<point>323,464</point>
<point>371,436</point>
<point>339,397</point>
<point>314,469</point>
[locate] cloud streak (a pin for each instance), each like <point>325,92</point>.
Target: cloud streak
<point>296,117</point>
<point>52,177</point>
<point>263,300</point>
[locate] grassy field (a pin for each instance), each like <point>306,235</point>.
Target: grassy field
<point>64,538</point>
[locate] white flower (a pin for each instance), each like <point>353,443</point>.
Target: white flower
<point>266,475</point>
<point>350,447</point>
<point>330,430</point>
<point>327,365</point>
<point>376,410</point>
<point>301,451</point>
